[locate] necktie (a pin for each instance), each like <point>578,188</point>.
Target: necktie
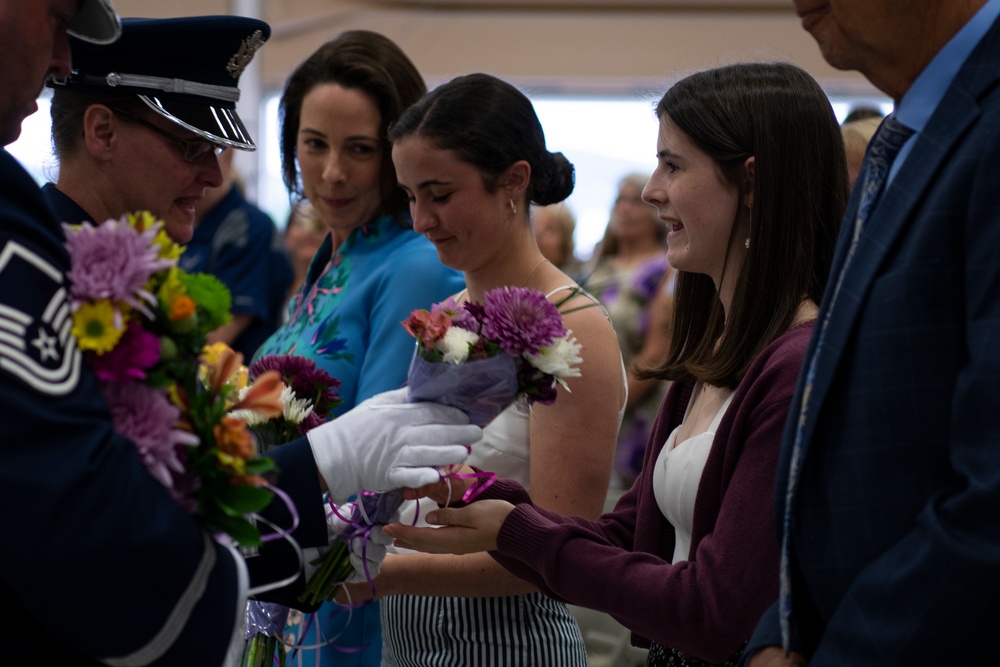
<point>884,147</point>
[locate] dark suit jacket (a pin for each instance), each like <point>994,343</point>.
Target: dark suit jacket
<point>896,538</point>
<point>98,560</point>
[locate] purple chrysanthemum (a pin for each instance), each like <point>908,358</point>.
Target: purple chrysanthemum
<point>113,261</point>
<point>145,416</point>
<point>312,420</point>
<point>537,387</point>
<point>476,310</point>
<point>305,378</point>
<point>137,351</point>
<point>520,320</point>
<point>287,365</point>
<point>459,315</point>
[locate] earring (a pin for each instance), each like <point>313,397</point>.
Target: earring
<point>513,207</point>
<point>746,244</point>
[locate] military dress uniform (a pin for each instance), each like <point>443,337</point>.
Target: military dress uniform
<point>93,542</point>
<point>100,565</point>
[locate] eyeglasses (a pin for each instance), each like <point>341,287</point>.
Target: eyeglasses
<point>192,150</point>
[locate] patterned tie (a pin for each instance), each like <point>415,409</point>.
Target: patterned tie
<point>885,146</point>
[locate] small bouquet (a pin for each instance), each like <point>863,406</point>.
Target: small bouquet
<point>308,399</point>
<point>141,323</point>
<point>308,396</point>
<point>480,357</point>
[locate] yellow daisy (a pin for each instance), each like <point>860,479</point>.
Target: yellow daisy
<point>94,327</point>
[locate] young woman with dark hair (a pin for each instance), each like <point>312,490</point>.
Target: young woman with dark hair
<point>751,182</point>
<point>471,157</point>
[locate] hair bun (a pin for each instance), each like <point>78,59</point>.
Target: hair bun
<point>556,181</point>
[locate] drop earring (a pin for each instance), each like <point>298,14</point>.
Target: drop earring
<point>513,207</point>
<point>746,244</point>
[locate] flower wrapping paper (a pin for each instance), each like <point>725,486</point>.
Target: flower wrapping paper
<point>481,389</point>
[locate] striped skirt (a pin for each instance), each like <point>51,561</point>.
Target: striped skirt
<point>512,631</point>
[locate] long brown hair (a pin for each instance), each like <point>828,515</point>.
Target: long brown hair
<point>778,114</point>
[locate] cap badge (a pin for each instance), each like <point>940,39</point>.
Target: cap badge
<point>242,58</point>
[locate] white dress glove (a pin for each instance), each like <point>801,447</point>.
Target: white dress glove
<point>364,552</point>
<point>386,443</point>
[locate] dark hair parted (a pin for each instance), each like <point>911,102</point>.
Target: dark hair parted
<point>778,114</point>
<point>489,124</point>
<point>361,60</point>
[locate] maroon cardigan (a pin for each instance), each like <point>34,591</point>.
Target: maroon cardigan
<point>707,606</point>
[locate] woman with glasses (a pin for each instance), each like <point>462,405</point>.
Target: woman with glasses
<point>128,140</point>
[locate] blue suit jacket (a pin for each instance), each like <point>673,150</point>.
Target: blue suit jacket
<point>896,542</point>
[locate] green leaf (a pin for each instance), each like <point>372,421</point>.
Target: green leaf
<point>240,499</point>
<point>240,529</point>
<point>260,465</point>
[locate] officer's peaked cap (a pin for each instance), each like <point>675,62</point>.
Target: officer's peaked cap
<point>186,69</point>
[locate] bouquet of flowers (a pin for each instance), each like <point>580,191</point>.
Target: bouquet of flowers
<point>480,357</point>
<point>141,323</point>
<point>308,397</point>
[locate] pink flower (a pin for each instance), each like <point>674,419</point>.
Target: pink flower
<point>520,320</point>
<point>427,327</point>
<point>146,417</point>
<point>137,351</point>
<point>113,261</point>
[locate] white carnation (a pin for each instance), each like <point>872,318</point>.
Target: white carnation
<point>456,344</point>
<point>559,360</point>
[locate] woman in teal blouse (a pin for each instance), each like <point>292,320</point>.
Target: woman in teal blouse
<point>370,272</point>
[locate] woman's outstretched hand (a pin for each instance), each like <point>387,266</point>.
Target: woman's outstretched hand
<point>464,530</point>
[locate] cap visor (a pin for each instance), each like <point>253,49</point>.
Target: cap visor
<point>214,123</point>
<point>96,21</point>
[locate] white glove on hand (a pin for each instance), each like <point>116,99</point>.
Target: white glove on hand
<point>386,443</point>
<point>364,552</point>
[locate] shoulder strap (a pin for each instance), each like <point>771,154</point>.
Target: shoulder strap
<point>580,290</point>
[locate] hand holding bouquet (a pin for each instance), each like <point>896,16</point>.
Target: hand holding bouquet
<point>478,358</point>
<point>141,323</point>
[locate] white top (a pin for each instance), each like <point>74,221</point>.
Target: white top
<point>676,477</point>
